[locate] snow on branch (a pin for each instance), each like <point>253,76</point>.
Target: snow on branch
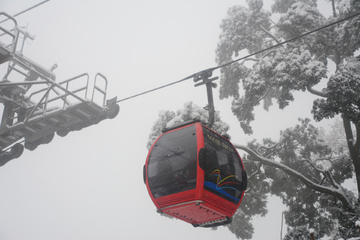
<point>262,147</point>
<point>357,225</point>
<point>313,166</point>
<point>338,192</point>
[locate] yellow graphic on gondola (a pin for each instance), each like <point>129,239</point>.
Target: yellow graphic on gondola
<point>220,182</point>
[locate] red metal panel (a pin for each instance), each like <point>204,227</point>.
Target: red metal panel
<point>200,172</point>
<point>176,198</point>
<point>219,204</point>
<point>194,213</point>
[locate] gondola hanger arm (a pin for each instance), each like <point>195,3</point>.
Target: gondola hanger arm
<point>204,76</point>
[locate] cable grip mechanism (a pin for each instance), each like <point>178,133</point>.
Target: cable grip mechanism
<point>205,77</point>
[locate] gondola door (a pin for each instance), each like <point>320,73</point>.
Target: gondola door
<point>225,179</point>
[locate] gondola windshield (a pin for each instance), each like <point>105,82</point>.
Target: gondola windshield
<point>173,162</point>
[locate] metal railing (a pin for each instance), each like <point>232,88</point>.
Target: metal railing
<point>13,33</point>
<point>100,90</point>
<point>62,91</point>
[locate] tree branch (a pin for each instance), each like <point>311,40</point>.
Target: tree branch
<point>269,34</point>
<point>333,8</point>
<point>353,146</point>
<point>248,59</point>
<point>264,95</point>
<point>256,172</point>
<point>322,180</point>
<point>266,147</point>
<point>267,53</point>
<point>332,181</point>
<point>339,193</point>
<point>349,135</point>
<point>357,140</point>
<point>315,92</point>
<point>326,174</point>
<point>313,165</point>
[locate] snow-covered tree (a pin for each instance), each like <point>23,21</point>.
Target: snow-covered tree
<point>304,171</point>
<point>190,112</point>
<point>307,175</point>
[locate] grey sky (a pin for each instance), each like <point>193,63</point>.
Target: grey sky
<point>88,185</point>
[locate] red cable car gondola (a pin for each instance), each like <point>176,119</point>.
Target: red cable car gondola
<point>196,175</point>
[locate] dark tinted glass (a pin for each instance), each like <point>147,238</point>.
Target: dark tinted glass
<point>223,169</point>
<point>172,162</point>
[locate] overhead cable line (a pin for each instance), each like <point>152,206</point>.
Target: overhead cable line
<point>195,75</point>
<point>28,9</point>
<point>154,89</point>
<point>289,40</point>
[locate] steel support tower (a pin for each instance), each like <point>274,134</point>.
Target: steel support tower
<point>35,105</point>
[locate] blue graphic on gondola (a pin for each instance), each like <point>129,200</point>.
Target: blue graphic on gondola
<point>221,184</point>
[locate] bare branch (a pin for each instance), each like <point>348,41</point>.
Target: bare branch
<point>313,166</point>
<point>249,59</point>
<point>322,180</point>
<point>331,179</point>
<point>349,134</point>
<point>267,53</point>
<point>353,146</point>
<point>357,140</point>
<point>267,147</point>
<point>264,95</point>
<point>315,92</point>
<point>326,173</point>
<point>256,172</point>
<point>333,8</point>
<point>269,34</point>
<point>339,193</point>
